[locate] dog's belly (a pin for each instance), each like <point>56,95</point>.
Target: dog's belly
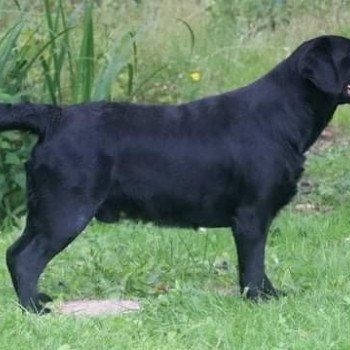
<point>172,215</point>
<point>175,182</point>
<point>168,210</point>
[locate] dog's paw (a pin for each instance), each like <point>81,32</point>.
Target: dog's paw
<point>257,295</point>
<point>43,311</point>
<point>37,305</point>
<point>280,293</point>
<point>36,308</point>
<point>44,298</point>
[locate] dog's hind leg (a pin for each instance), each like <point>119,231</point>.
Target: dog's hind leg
<point>61,202</point>
<point>58,211</point>
<point>250,233</point>
<point>43,238</point>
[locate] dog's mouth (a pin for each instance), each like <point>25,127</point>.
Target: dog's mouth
<point>347,90</point>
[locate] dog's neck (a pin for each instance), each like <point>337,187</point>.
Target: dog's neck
<point>319,110</point>
<point>301,129</point>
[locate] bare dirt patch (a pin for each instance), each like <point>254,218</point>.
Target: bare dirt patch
<point>330,137</point>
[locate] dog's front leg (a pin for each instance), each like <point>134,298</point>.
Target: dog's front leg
<point>250,232</point>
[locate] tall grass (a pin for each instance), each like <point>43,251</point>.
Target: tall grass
<point>72,72</point>
<point>90,76</point>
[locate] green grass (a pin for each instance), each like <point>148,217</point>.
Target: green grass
<point>186,280</point>
<point>189,301</point>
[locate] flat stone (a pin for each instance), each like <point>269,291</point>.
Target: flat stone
<point>98,307</point>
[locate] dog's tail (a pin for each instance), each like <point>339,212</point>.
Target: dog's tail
<point>27,116</point>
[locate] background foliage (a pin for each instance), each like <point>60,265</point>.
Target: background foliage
<point>165,51</point>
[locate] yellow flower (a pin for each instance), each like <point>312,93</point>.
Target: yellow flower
<point>196,76</point>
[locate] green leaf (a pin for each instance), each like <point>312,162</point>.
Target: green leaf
<point>86,59</point>
<point>20,180</point>
<point>116,60</point>
<point>12,158</point>
<point>2,180</point>
<point>191,32</point>
<point>7,45</point>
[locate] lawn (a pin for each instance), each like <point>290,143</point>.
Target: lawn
<point>186,281</point>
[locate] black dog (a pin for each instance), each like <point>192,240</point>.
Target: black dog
<point>231,160</point>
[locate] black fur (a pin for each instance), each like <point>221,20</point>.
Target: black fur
<point>231,160</point>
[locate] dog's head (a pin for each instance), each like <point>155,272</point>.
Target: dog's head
<point>325,61</point>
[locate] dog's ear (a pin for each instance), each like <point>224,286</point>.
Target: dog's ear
<point>316,64</point>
